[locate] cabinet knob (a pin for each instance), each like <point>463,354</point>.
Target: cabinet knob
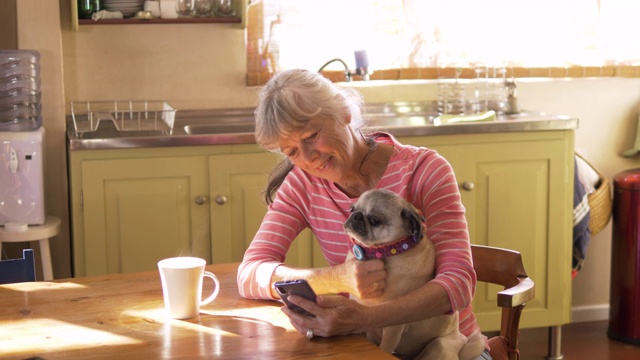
<point>221,199</point>
<point>201,200</point>
<point>468,185</point>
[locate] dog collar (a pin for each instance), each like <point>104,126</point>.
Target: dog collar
<point>362,252</point>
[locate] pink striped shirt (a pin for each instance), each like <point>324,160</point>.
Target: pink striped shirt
<point>420,175</point>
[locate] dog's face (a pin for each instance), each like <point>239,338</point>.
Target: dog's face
<point>381,216</point>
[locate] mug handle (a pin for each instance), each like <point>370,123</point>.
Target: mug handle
<point>215,291</point>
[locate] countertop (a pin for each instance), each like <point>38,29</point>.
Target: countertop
<point>235,126</point>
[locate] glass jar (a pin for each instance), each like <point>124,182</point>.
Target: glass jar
<point>86,8</point>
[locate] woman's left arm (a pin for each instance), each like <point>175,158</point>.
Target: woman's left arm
<point>439,198</point>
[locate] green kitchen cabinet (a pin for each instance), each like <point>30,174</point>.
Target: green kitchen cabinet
<point>133,207</point>
<point>137,211</point>
<point>237,184</point>
<point>517,189</point>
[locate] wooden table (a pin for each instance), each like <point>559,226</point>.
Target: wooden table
<point>122,316</point>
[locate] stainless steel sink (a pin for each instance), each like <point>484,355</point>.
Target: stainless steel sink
<point>386,121</point>
<point>221,128</point>
<point>218,122</point>
<point>237,126</point>
<point>240,121</point>
<point>402,108</point>
<point>398,120</point>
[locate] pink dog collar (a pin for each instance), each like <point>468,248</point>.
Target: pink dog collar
<point>362,252</point>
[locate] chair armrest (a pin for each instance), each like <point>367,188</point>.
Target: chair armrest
<point>517,295</point>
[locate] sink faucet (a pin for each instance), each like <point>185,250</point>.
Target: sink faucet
<point>347,73</point>
<point>362,66</point>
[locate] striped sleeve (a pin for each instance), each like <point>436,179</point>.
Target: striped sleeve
<point>282,223</point>
<point>435,190</point>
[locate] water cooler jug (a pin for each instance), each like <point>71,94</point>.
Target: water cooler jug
<point>20,93</point>
<point>624,311</point>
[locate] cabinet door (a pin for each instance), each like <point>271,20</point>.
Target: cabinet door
<point>139,211</point>
<point>516,197</point>
<point>238,207</point>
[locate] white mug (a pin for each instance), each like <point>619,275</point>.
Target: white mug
<point>182,279</point>
<point>153,6</point>
<point>168,9</point>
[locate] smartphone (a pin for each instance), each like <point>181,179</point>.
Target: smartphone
<point>298,288</point>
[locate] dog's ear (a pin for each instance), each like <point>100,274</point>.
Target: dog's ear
<point>412,222</point>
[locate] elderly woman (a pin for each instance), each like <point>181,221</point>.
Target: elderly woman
<point>328,163</point>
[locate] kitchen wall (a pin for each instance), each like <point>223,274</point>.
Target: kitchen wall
<point>8,25</point>
<point>202,66</point>
<point>34,24</point>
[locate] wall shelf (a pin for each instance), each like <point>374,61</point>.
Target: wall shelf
<point>227,20</point>
<point>239,21</point>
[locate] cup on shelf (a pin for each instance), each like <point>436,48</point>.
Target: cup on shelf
<point>153,7</point>
<point>86,8</point>
<point>185,8</point>
<point>168,9</point>
<point>203,8</point>
<point>223,8</point>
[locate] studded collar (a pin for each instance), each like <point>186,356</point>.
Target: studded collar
<point>363,252</point>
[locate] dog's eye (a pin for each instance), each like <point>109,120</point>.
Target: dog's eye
<point>351,208</point>
<point>373,221</point>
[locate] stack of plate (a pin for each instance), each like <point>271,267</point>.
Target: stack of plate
<point>128,8</point>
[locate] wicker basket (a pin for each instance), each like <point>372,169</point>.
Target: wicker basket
<point>600,202</point>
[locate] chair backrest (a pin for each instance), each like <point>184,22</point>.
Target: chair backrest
<point>18,270</point>
<point>504,267</point>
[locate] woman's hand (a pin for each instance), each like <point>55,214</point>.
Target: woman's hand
<point>335,315</point>
<point>365,279</point>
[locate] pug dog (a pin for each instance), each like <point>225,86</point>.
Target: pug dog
<point>385,226</point>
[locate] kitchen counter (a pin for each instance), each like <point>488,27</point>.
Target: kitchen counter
<point>236,126</point>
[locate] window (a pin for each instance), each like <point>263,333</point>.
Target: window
<point>430,39</point>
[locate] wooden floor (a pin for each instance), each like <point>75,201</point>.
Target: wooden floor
<point>579,341</point>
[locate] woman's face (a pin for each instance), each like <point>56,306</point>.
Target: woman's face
<point>324,148</point>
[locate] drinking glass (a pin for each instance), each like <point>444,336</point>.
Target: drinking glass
<point>223,8</point>
<point>203,8</point>
<point>185,8</point>
<point>86,8</point>
<point>482,90</point>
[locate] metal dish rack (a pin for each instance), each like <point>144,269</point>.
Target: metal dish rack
<point>130,116</point>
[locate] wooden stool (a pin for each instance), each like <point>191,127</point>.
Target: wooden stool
<point>40,233</point>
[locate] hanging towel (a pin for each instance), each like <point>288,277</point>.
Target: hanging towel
<point>581,216</point>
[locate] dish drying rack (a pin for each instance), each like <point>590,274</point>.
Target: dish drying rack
<point>131,116</point>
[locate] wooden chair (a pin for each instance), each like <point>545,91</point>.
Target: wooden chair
<point>18,270</point>
<point>504,267</point>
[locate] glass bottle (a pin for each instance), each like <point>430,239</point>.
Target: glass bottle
<point>86,8</point>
